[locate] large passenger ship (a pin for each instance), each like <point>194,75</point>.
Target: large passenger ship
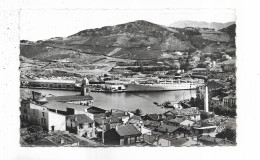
<point>163,85</point>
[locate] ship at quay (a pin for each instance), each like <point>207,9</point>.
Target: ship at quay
<point>163,85</point>
<point>152,84</point>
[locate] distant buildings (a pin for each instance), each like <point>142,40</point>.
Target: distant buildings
<point>229,101</point>
<point>229,65</point>
<point>187,113</point>
<point>66,84</point>
<point>199,72</point>
<point>83,99</point>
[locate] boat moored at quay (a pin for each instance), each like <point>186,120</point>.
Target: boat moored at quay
<point>163,85</point>
<point>151,84</point>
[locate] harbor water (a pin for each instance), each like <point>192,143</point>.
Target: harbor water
<point>128,101</point>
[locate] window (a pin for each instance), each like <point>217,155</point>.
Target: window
<point>90,125</point>
<point>80,126</point>
<point>43,114</point>
<point>25,111</point>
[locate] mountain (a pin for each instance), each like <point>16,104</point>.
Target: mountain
<point>138,40</point>
<point>196,24</point>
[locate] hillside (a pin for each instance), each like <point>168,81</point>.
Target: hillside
<point>136,40</point>
<point>196,24</point>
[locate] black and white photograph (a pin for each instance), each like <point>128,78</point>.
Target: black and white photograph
<point>114,78</point>
<point>137,79</point>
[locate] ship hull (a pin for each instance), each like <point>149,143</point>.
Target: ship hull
<point>147,88</point>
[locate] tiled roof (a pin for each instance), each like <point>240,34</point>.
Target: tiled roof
<point>114,120</point>
<point>63,106</point>
<point>100,121</point>
<point>179,141</point>
<point>81,118</point>
<point>185,112</point>
<point>187,122</point>
<point>135,117</point>
<point>176,120</point>
<point>174,141</point>
<point>167,128</point>
<point>150,138</point>
<point>118,113</point>
<point>151,123</point>
<point>153,116</point>
<point>127,130</point>
<point>108,120</point>
<point>44,142</point>
<point>96,110</point>
<point>70,98</point>
<point>133,121</point>
<point>58,136</point>
<point>209,139</point>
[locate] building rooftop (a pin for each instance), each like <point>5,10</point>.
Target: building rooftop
<point>80,118</point>
<point>209,139</point>
<point>187,123</point>
<point>127,130</point>
<point>199,69</point>
<point>151,123</point>
<point>167,128</point>
<point>96,110</point>
<point>69,81</point>
<point>63,106</point>
<point>44,142</point>
<point>107,120</point>
<point>175,141</point>
<point>150,138</point>
<point>69,98</point>
<point>176,120</point>
<point>154,117</point>
<point>185,112</point>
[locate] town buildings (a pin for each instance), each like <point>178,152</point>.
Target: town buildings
<point>122,135</point>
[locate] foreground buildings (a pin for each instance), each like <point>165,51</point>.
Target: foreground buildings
<point>75,121</point>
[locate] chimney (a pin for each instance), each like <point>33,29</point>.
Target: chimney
<point>206,101</point>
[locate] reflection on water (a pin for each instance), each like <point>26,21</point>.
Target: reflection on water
<point>129,101</point>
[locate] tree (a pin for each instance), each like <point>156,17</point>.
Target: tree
<point>228,133</point>
<point>192,102</point>
<point>138,112</point>
<point>205,115</point>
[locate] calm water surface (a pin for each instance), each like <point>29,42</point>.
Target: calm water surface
<point>129,101</point>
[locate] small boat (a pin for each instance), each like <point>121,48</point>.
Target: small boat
<point>167,105</point>
<point>156,103</point>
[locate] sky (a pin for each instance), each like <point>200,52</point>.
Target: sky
<point>43,24</point>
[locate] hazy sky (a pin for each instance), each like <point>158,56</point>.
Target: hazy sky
<point>44,24</point>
